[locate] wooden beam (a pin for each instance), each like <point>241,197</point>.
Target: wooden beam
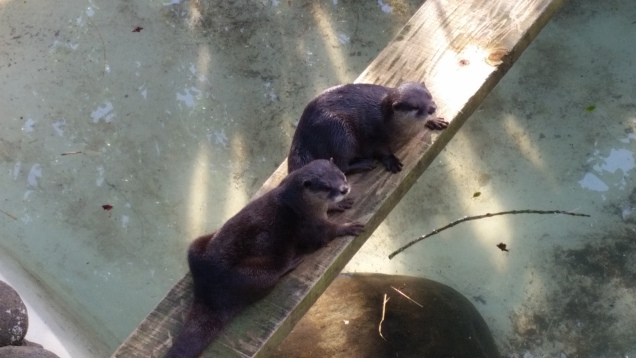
<point>460,49</point>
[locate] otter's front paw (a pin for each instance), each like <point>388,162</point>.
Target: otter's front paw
<point>436,123</point>
<point>351,229</point>
<point>392,164</point>
<point>341,206</point>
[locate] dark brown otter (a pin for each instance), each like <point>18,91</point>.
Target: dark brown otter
<point>242,262</point>
<point>357,123</point>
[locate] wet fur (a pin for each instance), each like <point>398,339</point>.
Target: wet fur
<point>355,124</point>
<point>242,262</point>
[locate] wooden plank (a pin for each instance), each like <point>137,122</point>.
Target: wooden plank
<point>460,49</point>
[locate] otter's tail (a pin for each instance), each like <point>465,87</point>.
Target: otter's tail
<point>200,328</point>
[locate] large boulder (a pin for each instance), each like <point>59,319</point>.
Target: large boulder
<point>26,352</point>
<point>436,321</point>
<point>14,321</point>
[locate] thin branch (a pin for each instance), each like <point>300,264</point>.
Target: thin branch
<point>407,297</point>
<point>9,215</point>
<point>386,299</point>
<point>103,44</point>
<point>468,218</point>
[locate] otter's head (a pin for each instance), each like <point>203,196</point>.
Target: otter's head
<point>410,101</point>
<point>322,182</point>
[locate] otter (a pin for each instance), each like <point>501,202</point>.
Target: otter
<point>357,123</point>
<point>242,261</point>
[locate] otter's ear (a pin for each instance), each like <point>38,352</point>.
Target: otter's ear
<point>306,183</point>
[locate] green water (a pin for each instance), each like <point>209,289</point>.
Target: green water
<point>179,123</point>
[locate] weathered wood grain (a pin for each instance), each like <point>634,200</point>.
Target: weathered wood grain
<point>460,49</point>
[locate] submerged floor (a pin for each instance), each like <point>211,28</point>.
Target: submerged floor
<point>181,111</point>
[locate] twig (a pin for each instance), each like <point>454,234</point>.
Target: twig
<point>69,153</point>
<point>468,218</point>
<point>407,297</point>
<point>386,299</point>
<point>103,45</point>
<point>9,215</point>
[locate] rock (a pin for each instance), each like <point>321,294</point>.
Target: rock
<point>26,352</point>
<point>28,343</point>
<point>14,321</point>
<point>344,322</point>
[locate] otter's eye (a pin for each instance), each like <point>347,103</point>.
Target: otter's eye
<point>317,185</point>
<point>404,107</point>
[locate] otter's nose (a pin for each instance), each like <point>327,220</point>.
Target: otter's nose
<point>432,108</point>
<point>344,189</point>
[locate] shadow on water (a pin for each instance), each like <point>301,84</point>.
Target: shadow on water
<point>585,317</point>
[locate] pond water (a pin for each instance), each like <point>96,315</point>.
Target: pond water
<point>171,114</point>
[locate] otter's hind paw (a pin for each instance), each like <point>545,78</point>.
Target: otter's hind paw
<point>359,166</point>
<point>392,164</point>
